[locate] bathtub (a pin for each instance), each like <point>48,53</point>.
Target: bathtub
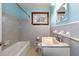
<point>51,47</point>
<point>17,49</point>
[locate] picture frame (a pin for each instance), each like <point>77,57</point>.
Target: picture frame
<point>40,18</point>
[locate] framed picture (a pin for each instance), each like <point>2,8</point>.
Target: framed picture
<point>40,18</point>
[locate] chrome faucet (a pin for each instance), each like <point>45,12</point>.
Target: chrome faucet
<point>59,38</point>
<point>1,43</point>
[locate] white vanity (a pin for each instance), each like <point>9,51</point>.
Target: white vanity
<point>51,47</point>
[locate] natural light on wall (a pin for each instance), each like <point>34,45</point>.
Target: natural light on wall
<point>54,18</point>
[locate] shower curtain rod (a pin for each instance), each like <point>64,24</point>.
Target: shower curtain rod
<point>22,9</point>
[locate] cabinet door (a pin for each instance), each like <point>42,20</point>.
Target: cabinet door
<point>74,48</point>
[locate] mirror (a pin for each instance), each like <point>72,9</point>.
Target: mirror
<point>61,13</point>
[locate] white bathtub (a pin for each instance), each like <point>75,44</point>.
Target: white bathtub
<point>17,49</point>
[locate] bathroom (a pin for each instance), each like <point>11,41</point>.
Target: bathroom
<point>18,26</point>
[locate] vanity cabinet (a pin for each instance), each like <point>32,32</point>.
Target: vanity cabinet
<point>74,48</point>
<point>56,51</point>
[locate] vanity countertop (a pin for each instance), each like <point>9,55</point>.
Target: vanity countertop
<point>61,44</point>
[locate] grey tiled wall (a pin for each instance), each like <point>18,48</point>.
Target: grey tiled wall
<point>72,28</point>
<point>29,32</point>
<point>10,29</point>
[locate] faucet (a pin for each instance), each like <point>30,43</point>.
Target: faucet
<point>1,43</point>
<point>59,38</point>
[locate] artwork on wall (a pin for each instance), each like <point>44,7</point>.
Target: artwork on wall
<point>40,18</point>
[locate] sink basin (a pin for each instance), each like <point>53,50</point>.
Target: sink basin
<point>51,41</point>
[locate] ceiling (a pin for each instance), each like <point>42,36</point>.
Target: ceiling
<point>30,5</point>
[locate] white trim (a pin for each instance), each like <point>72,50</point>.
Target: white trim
<point>66,24</point>
<point>0,25</point>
